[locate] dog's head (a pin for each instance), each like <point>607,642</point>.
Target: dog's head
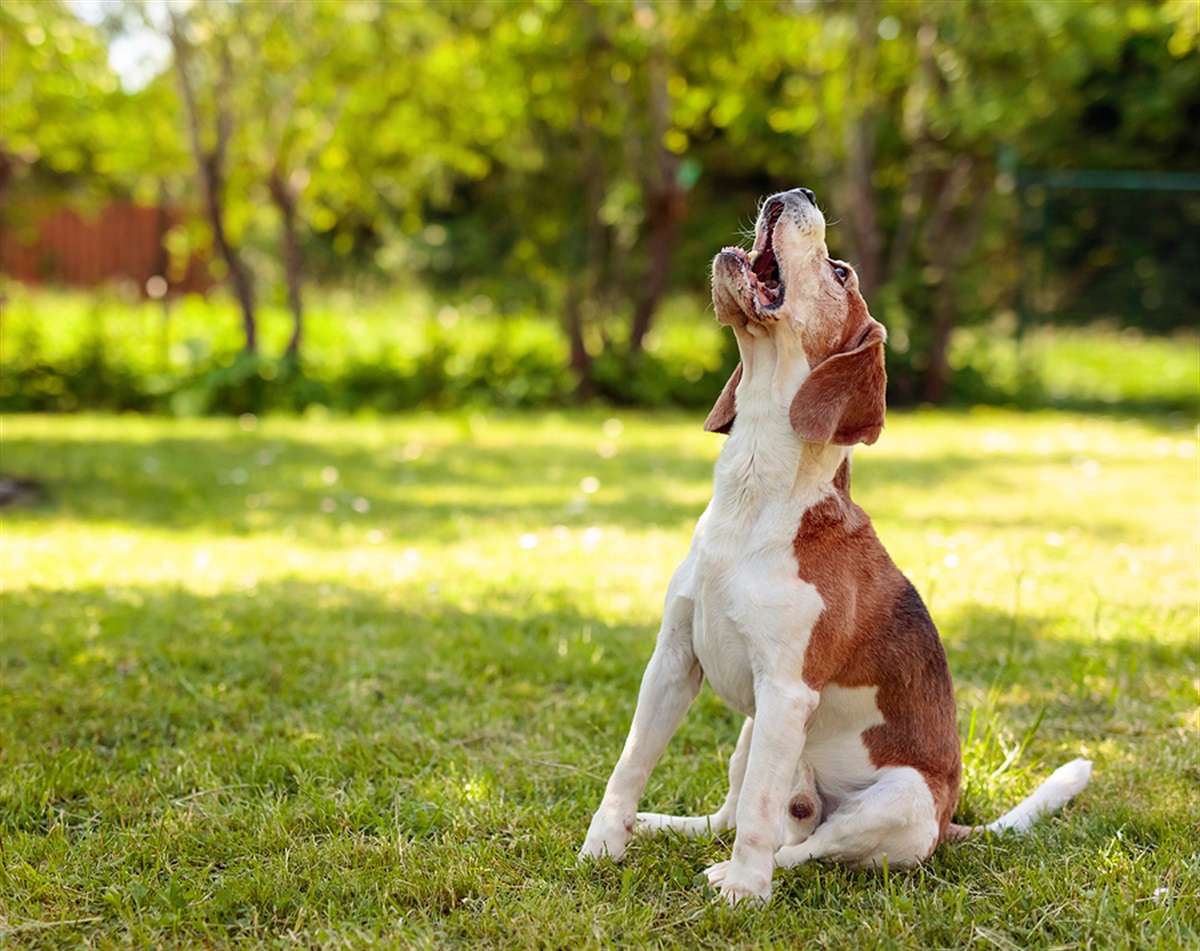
<point>789,289</point>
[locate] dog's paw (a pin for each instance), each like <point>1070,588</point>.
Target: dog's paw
<point>716,874</point>
<point>604,841</point>
<point>736,886</point>
<point>595,849</point>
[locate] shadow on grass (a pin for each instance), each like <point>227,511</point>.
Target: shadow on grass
<point>118,699</point>
<point>139,676</point>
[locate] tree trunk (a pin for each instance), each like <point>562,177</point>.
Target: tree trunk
<point>861,206</point>
<point>210,169</point>
<point>945,318</point>
<point>284,196</point>
<point>162,266</point>
<point>239,278</point>
<point>667,207</point>
<point>580,360</point>
<point>951,234</point>
<point>666,201</point>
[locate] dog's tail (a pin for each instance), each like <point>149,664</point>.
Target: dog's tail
<point>1064,783</point>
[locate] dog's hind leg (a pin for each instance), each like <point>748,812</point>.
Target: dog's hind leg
<point>723,818</point>
<point>894,820</point>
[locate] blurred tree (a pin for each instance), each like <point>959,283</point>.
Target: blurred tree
<point>63,104</point>
<point>202,38</point>
<point>1117,251</point>
<point>357,116</point>
<point>901,109</point>
<point>292,90</point>
<point>330,113</point>
<point>72,133</point>
<point>552,152</point>
<point>591,184</point>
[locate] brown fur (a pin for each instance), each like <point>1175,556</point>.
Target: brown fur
<point>720,420</point>
<point>842,321</point>
<point>875,631</point>
<point>843,399</point>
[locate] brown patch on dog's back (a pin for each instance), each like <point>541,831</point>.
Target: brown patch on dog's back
<point>876,632</point>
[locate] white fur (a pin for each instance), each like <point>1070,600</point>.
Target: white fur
<point>834,747</point>
<point>891,821</point>
<point>1061,786</point>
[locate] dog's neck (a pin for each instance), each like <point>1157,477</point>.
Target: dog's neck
<point>763,457</point>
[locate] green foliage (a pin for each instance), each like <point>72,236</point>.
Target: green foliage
<point>275,683</point>
<point>374,353</point>
<point>50,64</point>
<point>546,153</point>
<point>397,353</point>
<point>1119,260</point>
<point>71,131</point>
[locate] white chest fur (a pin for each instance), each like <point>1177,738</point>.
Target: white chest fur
<point>752,611</point>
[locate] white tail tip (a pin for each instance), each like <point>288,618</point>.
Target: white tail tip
<point>1062,785</point>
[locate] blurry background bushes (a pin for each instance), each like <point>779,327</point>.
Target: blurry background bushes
<point>381,353</point>
<point>385,205</point>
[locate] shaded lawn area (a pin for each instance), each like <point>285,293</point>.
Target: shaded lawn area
<point>333,683</point>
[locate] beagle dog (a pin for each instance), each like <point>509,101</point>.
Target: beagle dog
<point>790,606</point>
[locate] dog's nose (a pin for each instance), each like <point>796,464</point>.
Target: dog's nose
<point>808,193</point>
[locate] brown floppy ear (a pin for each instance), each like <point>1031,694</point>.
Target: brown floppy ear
<point>720,420</point>
<point>844,397</point>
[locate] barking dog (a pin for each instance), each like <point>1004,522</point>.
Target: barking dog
<point>790,606</point>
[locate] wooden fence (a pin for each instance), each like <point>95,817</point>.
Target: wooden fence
<point>122,242</point>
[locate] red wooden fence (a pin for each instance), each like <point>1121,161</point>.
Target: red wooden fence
<point>122,242</point>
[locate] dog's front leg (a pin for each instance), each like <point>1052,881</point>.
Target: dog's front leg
<point>670,684</point>
<point>780,720</point>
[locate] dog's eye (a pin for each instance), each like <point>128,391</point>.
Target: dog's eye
<point>840,273</point>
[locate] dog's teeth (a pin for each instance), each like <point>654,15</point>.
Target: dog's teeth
<point>753,256</point>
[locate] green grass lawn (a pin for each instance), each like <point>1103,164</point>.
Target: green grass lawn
<point>307,683</point>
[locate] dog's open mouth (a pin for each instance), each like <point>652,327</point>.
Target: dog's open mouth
<point>763,263</point>
<point>758,270</point>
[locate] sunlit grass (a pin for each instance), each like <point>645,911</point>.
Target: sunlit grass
<point>323,683</point>
<point>1093,367</point>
